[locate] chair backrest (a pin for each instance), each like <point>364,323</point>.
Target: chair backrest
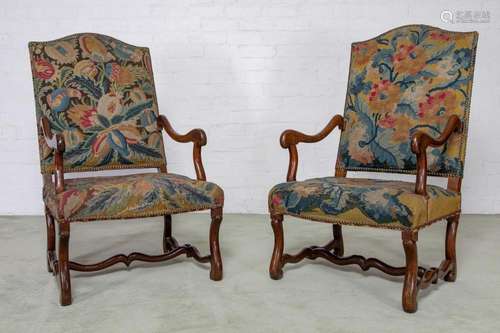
<point>99,93</point>
<point>407,79</point>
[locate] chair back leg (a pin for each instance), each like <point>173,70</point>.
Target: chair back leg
<point>169,242</point>
<point>338,248</point>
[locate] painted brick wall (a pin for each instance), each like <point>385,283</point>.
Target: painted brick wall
<point>244,70</point>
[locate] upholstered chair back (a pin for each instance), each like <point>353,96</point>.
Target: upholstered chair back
<point>407,79</point>
<point>98,92</point>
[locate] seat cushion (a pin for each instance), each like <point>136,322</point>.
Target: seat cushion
<point>391,204</point>
<point>138,195</point>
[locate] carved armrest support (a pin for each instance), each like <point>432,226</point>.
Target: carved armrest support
<point>420,141</point>
<point>56,142</point>
<point>197,136</point>
<point>291,138</point>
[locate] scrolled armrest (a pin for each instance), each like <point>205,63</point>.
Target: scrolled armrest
<point>290,138</point>
<point>197,136</point>
<point>56,142</point>
<point>420,141</point>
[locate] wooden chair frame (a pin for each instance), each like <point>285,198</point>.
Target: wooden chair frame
<point>59,263</point>
<point>415,277</point>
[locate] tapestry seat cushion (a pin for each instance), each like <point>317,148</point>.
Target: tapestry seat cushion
<point>390,204</point>
<point>138,195</point>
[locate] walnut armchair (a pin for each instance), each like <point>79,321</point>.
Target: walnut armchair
<point>97,110</point>
<point>407,110</point>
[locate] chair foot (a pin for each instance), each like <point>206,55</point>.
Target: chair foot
<point>63,264</point>
<point>215,256</point>
<point>51,237</point>
<point>450,250</point>
<point>338,248</point>
<point>410,288</point>
<point>169,242</point>
<point>276,266</point>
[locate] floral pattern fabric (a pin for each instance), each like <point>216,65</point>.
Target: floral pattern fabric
<point>410,78</point>
<point>99,93</point>
<point>392,204</point>
<point>138,195</point>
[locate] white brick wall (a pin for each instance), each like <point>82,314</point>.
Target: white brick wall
<point>244,70</point>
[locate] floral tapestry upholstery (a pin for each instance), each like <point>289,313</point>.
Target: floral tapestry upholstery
<point>138,195</point>
<point>410,78</point>
<point>98,92</point>
<point>390,204</point>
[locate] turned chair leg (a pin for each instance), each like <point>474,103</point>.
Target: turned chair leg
<point>338,248</point>
<point>410,288</point>
<point>51,238</point>
<point>63,263</point>
<point>215,256</point>
<point>276,266</point>
<point>450,251</point>
<point>169,242</point>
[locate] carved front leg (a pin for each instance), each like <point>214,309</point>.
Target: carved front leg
<point>215,256</point>
<point>410,288</point>
<point>451,255</point>
<point>276,266</point>
<point>51,239</point>
<point>63,264</point>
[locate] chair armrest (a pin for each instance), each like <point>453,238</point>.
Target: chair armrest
<point>420,141</point>
<point>290,138</point>
<point>197,136</point>
<point>56,142</point>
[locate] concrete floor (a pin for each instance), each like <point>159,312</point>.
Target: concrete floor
<point>179,297</point>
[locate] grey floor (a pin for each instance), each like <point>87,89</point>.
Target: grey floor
<point>178,296</point>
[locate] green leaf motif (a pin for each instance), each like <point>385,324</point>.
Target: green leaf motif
<point>438,56</point>
<point>103,120</point>
<point>136,109</point>
<point>116,119</point>
<point>143,150</point>
<point>107,159</point>
<point>87,85</point>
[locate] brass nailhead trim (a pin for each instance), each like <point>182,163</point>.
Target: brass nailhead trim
<point>139,215</point>
<point>391,226</point>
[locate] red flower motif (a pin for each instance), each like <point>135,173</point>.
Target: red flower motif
<point>403,53</point>
<point>87,119</point>
<point>378,88</point>
<point>44,69</point>
<point>113,71</point>
<point>388,121</point>
<point>276,200</point>
<point>97,144</point>
<point>431,102</point>
<point>439,36</point>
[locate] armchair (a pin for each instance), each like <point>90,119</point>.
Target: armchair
<point>407,110</point>
<point>96,110</point>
